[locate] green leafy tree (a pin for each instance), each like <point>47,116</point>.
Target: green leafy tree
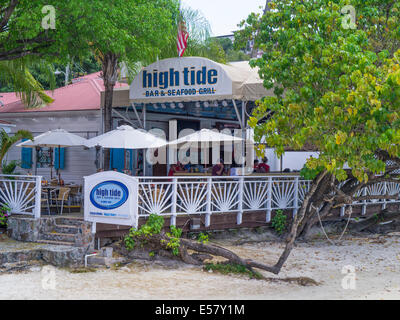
<point>35,33</point>
<point>336,88</point>
<point>131,31</point>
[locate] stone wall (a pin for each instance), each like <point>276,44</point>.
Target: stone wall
<point>30,230</point>
<point>24,229</point>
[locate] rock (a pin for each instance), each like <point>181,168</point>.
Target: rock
<point>107,252</point>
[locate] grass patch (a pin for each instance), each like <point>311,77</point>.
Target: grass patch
<point>231,268</point>
<point>82,270</point>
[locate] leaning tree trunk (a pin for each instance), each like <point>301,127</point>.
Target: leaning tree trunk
<point>202,251</point>
<point>299,219</point>
<point>110,76</point>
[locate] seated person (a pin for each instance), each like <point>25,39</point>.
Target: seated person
<point>256,163</point>
<point>263,167</point>
<point>176,168</point>
<point>218,169</point>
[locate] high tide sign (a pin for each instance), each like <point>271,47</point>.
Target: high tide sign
<point>179,79</point>
<point>111,198</point>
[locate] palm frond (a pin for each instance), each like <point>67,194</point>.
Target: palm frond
<point>17,74</point>
<point>6,140</point>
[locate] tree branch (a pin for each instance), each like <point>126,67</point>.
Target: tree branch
<point>7,13</point>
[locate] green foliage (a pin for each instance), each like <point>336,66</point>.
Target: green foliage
<point>78,68</point>
<point>279,222</point>
<point>153,226</point>
<point>9,168</point>
<point>231,54</point>
<point>203,238</point>
<point>336,89</point>
<point>174,242</point>
<point>310,174</point>
<point>4,212</point>
<point>132,30</point>
<point>6,141</point>
<point>15,76</point>
<point>232,268</point>
<point>236,55</point>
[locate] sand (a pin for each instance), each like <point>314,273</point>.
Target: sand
<point>376,264</point>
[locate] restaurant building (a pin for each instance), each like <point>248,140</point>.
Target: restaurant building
<point>170,96</point>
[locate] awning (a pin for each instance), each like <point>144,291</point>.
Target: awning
<point>192,79</point>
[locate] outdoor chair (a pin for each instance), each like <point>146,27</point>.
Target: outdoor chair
<point>76,196</point>
<point>45,201</point>
<point>59,197</point>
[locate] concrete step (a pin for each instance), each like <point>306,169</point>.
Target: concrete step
<point>70,221</point>
<point>56,236</point>
<point>64,228</point>
<point>55,242</point>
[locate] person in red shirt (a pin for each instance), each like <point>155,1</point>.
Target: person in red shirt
<point>263,167</point>
<point>218,169</point>
<point>175,168</point>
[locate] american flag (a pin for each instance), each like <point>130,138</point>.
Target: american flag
<point>183,35</point>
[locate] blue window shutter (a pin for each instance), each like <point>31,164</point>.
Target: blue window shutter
<point>131,160</point>
<point>26,157</point>
<point>117,159</point>
<point>62,158</point>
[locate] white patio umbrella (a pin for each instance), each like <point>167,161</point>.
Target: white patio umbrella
<point>126,137</point>
<point>58,138</point>
<point>205,135</point>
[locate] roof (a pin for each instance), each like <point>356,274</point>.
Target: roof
<point>83,94</point>
<point>235,80</point>
<point>6,123</point>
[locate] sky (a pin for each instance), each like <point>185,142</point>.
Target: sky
<point>225,15</point>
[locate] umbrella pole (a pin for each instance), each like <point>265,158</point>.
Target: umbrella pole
<point>36,156</point>
<point>51,163</point>
<point>59,164</point>
<point>144,163</point>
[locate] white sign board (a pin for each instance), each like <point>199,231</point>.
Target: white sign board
<point>181,79</point>
<point>111,197</point>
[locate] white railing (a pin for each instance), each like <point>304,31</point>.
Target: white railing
<point>188,195</point>
<point>378,189</point>
<point>21,194</point>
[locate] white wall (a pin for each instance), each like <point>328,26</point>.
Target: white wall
<point>294,160</point>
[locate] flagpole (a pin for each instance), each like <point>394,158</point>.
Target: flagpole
<point>179,19</point>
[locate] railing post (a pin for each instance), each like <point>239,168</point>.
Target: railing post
<point>364,206</point>
<point>173,199</point>
<point>384,193</point>
<point>269,200</point>
<point>240,205</point>
<point>208,205</point>
<point>296,196</point>
<point>342,211</point>
<point>38,196</point>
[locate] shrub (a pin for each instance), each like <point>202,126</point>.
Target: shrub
<point>279,222</point>
<point>4,213</point>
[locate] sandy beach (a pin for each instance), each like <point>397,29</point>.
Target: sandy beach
<point>375,262</point>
